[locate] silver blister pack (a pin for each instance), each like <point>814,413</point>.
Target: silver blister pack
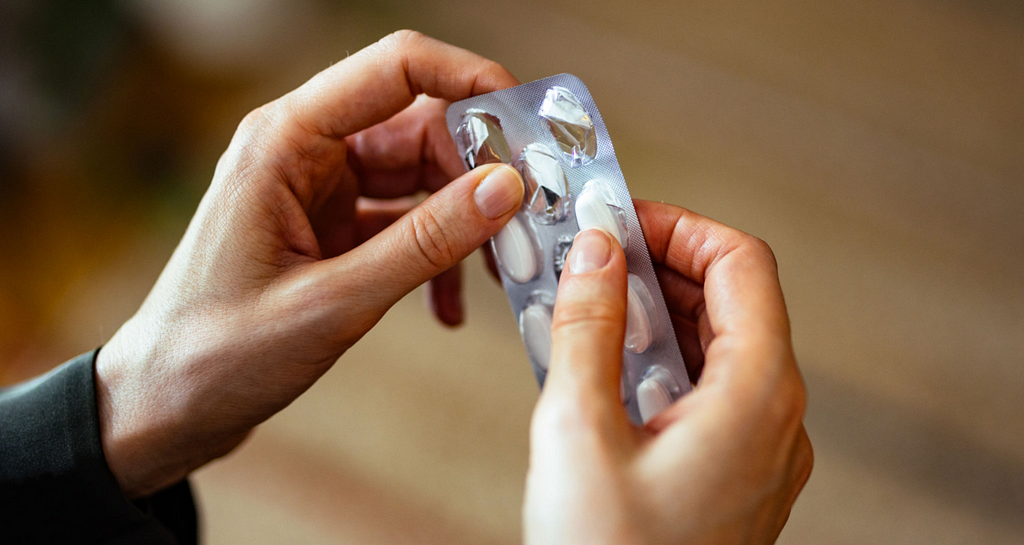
<point>551,131</point>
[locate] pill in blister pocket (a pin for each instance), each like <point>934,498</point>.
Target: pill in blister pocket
<point>640,316</point>
<point>595,208</point>
<point>481,139</point>
<point>655,392</point>
<point>535,326</point>
<point>570,124</point>
<point>546,185</point>
<point>516,251</point>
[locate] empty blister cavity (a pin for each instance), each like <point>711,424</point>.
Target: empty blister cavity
<point>547,188</point>
<point>516,250</point>
<point>535,326</point>
<point>570,124</point>
<point>641,320</point>
<point>481,140</point>
<point>655,392</point>
<point>596,207</point>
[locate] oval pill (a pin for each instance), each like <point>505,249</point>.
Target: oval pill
<point>535,326</point>
<point>652,397</point>
<point>515,251</point>
<point>594,211</point>
<point>639,329</point>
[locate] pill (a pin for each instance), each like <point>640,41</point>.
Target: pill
<point>535,326</point>
<point>639,315</point>
<point>481,139</point>
<point>652,397</point>
<point>593,210</point>
<point>515,250</point>
<point>639,334</point>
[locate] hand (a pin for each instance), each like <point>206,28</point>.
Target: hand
<point>286,263</point>
<point>725,463</point>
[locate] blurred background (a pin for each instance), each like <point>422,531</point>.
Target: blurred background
<point>877,145</point>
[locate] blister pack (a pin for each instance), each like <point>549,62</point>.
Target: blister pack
<point>551,131</point>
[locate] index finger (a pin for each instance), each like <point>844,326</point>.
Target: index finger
<point>742,293</point>
<point>382,79</point>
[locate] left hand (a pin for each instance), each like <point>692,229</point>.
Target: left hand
<point>724,463</point>
<point>286,264</point>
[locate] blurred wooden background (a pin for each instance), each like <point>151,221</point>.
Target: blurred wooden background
<point>878,145</point>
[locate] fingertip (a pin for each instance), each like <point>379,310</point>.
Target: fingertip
<point>591,251</point>
<point>499,192</point>
<point>444,297</point>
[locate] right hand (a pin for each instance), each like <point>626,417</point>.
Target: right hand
<point>301,244</point>
<point>725,463</point>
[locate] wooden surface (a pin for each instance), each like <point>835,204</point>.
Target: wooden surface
<point>877,145</point>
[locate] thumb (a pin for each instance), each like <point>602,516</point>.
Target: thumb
<point>430,239</point>
<point>588,326</point>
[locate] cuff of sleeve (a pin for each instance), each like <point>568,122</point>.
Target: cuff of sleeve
<point>54,477</point>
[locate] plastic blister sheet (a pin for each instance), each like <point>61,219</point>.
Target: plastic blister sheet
<point>552,131</point>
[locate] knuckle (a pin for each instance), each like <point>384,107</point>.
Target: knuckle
<point>433,243</point>
<point>588,315</point>
<point>565,416</point>
<point>406,35</point>
<point>789,404</point>
<point>399,40</point>
<point>806,465</point>
<point>253,119</point>
<point>759,248</point>
<point>260,127</point>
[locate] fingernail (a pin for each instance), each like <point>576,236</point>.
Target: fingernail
<point>499,192</point>
<point>591,250</point>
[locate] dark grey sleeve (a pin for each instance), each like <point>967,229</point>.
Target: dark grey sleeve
<point>55,486</point>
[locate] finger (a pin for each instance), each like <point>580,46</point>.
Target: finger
<point>409,152</point>
<point>492,264</point>
<point>689,346</point>
<point>444,296</point>
<point>375,215</point>
<point>336,232</point>
<point>742,293</point>
<point>444,293</point>
<point>750,386</point>
<point>305,130</point>
<point>683,296</point>
<point>434,236</point>
<point>750,350</point>
<point>382,79</point>
<point>685,301</point>
<point>588,326</point>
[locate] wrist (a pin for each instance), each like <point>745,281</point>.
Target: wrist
<point>136,428</point>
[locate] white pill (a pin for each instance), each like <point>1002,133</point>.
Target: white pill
<point>652,397</point>
<point>593,210</point>
<point>639,316</point>
<point>516,251</point>
<point>535,325</point>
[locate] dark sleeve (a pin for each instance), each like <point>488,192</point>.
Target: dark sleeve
<point>55,486</point>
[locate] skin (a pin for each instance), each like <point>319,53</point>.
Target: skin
<point>308,234</point>
<point>723,464</point>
